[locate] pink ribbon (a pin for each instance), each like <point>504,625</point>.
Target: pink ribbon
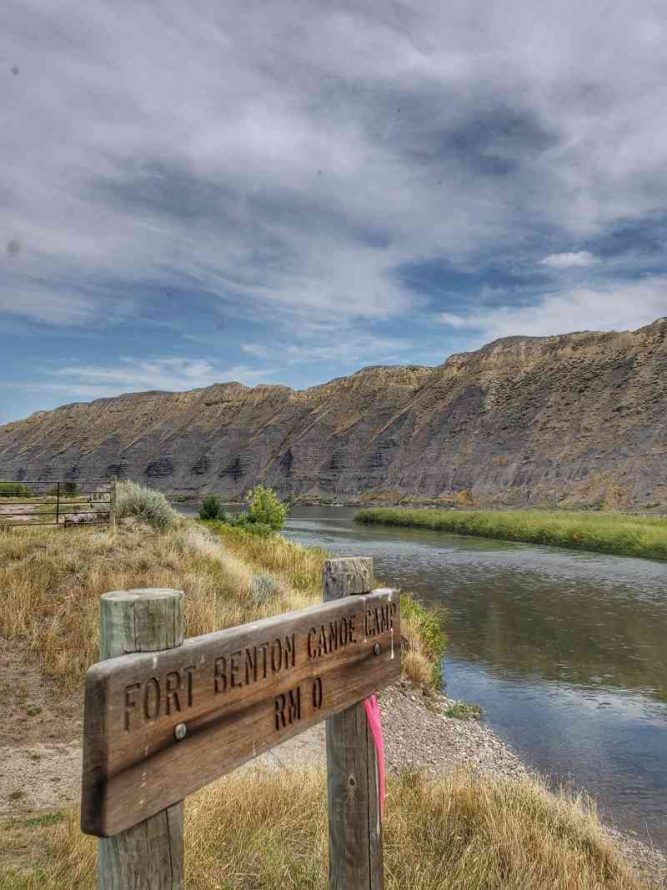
<point>375,723</point>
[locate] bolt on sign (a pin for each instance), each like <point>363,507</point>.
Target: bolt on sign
<point>160,725</point>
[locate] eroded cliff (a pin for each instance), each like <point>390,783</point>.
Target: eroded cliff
<point>578,418</point>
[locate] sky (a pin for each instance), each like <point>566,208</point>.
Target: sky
<point>285,192</point>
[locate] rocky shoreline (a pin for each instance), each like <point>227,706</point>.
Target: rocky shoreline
<point>417,735</point>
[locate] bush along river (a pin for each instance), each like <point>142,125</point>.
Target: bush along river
<point>566,652</point>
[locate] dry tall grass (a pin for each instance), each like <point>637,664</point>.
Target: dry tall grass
<point>254,830</point>
<point>51,581</point>
<point>300,567</point>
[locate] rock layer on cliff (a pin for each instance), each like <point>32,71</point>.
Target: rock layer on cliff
<point>577,418</point>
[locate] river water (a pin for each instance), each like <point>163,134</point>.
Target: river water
<point>566,652</point>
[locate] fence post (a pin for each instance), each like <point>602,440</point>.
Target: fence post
<point>148,856</point>
<point>57,503</point>
<point>355,830</point>
<point>112,503</point>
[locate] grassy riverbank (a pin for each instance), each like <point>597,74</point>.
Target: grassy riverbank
<point>268,829</point>
<point>302,567</point>
<point>52,580</point>
<point>615,533</point>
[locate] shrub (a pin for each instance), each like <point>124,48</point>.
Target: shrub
<point>264,588</point>
<point>266,508</point>
<point>14,490</point>
<point>146,504</point>
<point>255,528</point>
<point>70,489</point>
<point>211,509</point>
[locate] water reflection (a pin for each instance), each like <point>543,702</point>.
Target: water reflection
<point>564,651</point>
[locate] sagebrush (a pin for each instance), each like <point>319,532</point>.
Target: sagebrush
<point>146,504</point>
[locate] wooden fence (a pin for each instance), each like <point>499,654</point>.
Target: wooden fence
<point>60,503</point>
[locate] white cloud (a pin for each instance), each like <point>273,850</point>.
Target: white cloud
<point>170,374</point>
<point>46,304</point>
<point>350,349</point>
<point>259,350</point>
<point>285,159</point>
<point>575,260</point>
<point>617,307</point>
<point>452,320</point>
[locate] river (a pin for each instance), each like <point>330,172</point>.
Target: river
<point>566,652</point>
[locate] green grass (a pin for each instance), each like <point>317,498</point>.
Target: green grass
<point>617,533</point>
<point>463,710</point>
<point>426,627</point>
<point>14,490</point>
<point>43,819</point>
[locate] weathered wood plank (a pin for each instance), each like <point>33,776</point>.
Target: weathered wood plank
<point>159,726</point>
<point>355,829</point>
<point>149,855</point>
<point>112,503</point>
<point>347,576</point>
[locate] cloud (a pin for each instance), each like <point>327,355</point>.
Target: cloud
<point>618,307</point>
<point>169,374</point>
<point>285,160</point>
<point>44,302</point>
<point>574,260</point>
<point>350,348</point>
<point>452,320</point>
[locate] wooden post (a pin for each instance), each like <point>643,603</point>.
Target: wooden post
<point>112,503</point>
<point>57,503</point>
<point>355,830</point>
<point>148,856</point>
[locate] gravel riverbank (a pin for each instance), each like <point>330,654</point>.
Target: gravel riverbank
<point>417,735</point>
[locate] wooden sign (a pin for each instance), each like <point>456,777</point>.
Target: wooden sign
<point>160,725</point>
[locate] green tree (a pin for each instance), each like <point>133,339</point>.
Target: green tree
<point>266,508</point>
<point>210,508</point>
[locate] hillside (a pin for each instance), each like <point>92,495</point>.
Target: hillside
<point>577,418</point>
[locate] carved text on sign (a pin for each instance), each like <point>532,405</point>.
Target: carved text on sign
<point>232,694</point>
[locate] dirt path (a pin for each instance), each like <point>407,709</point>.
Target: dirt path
<point>39,738</point>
